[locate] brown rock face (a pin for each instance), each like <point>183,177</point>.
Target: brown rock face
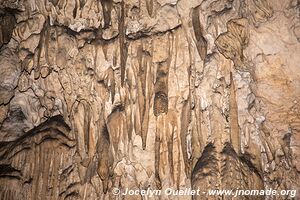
<point>100,95</point>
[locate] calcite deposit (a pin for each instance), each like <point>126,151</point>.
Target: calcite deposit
<point>148,94</point>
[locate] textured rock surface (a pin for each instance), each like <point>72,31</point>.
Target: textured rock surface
<point>98,94</point>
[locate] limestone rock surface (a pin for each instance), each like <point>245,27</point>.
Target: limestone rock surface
<point>148,94</point>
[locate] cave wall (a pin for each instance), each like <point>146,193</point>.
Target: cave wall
<point>98,94</point>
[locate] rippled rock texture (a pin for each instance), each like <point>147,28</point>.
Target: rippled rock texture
<point>98,94</point>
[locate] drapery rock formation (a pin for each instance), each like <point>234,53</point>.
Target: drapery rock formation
<point>104,94</point>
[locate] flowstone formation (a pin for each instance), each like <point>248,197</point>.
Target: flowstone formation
<point>148,94</point>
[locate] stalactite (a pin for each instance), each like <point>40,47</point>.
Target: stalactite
<point>105,160</point>
<point>198,140</point>
<point>82,118</point>
<point>161,84</point>
<point>107,79</point>
<point>38,54</point>
<point>185,121</point>
<point>141,87</point>
<point>233,113</point>
<point>201,42</point>
<point>107,6</point>
<point>149,4</point>
<point>170,153</point>
<point>157,156</point>
<point>123,43</point>
<point>172,142</point>
<point>161,89</point>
